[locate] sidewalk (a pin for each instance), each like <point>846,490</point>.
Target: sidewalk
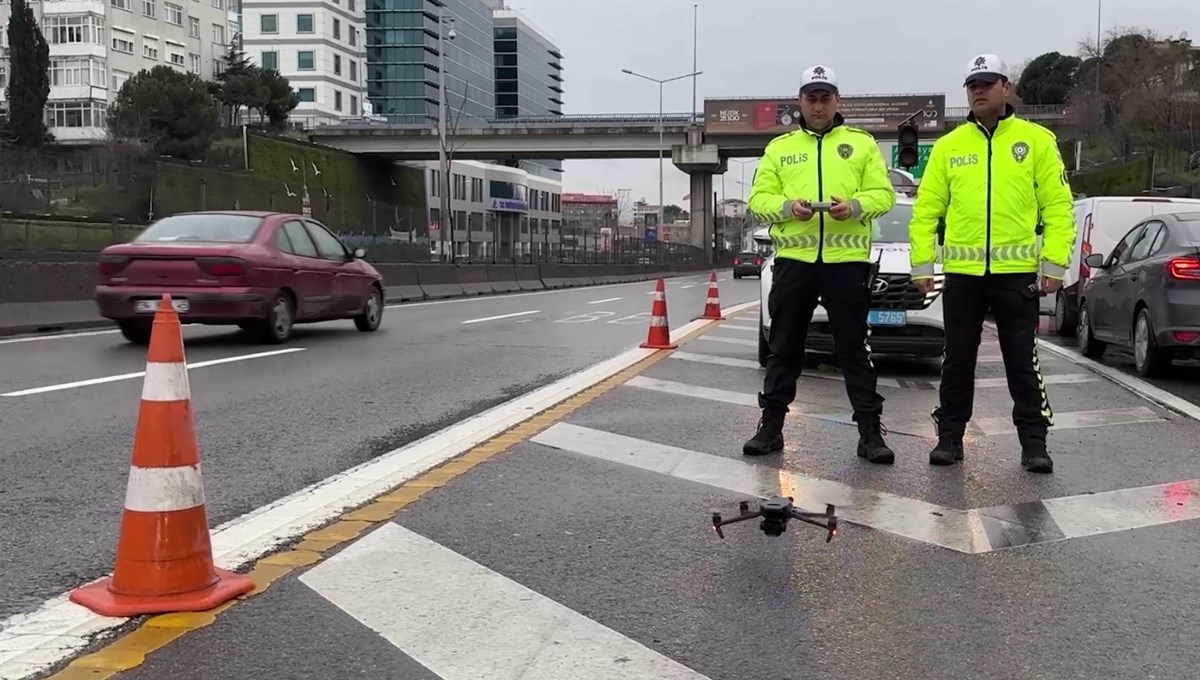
<point>580,546</point>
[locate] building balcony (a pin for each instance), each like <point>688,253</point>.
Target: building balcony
<point>79,50</point>
<point>97,7</point>
<point>78,93</point>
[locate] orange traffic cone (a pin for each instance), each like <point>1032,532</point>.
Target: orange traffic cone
<point>164,559</point>
<point>660,332</point>
<point>712,308</point>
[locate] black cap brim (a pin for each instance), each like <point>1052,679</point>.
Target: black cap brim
<point>985,77</point>
<point>815,87</point>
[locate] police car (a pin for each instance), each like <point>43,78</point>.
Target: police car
<point>903,320</point>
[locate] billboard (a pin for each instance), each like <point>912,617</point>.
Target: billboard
<point>872,113</point>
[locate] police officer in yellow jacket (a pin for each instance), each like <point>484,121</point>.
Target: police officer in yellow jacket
<point>991,179</point>
<point>820,188</point>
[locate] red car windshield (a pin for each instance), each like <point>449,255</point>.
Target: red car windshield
<point>202,228</point>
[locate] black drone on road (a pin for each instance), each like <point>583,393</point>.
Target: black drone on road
<point>775,513</point>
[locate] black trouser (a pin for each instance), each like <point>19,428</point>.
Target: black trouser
<point>844,291</point>
<point>1014,301</point>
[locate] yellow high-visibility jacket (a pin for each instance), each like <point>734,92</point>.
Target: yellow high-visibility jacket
<point>845,162</point>
<point>991,188</point>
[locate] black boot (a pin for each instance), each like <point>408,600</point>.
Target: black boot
<point>870,441</point>
<point>948,451</point>
<point>769,437</point>
<point>1034,456</point>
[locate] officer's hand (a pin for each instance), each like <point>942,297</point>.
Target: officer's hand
<point>1050,286</point>
<point>801,211</point>
<point>841,208</point>
<point>924,285</point>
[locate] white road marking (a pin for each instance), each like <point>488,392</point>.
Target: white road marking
<point>972,531</point>
<point>56,336</point>
<point>141,374</point>
<point>731,341</point>
<point>445,603</point>
<point>596,302</point>
<point>739,327</point>
<point>908,517</point>
<point>690,285</point>
<point>34,641</point>
<point>502,316</point>
<point>1071,420</point>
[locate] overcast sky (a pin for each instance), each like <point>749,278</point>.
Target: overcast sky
<point>759,47</point>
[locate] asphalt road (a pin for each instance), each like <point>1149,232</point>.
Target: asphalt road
<point>1183,380</point>
<point>585,550</point>
<point>270,425</point>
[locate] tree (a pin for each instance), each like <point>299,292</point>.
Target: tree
<point>29,82</point>
<point>1134,91</point>
<point>245,85</point>
<point>449,144</point>
<point>280,100</point>
<point>168,110</point>
<point>1047,79</point>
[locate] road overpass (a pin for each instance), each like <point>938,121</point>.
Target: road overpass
<point>581,137</point>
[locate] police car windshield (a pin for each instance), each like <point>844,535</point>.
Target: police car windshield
<point>893,227</point>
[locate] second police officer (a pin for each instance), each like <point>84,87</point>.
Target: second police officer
<point>821,253</point>
<point>992,179</point>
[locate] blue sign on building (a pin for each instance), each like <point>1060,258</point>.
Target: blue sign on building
<point>651,236</point>
<point>509,205</point>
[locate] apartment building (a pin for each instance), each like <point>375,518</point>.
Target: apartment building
<point>96,45</point>
<point>318,45</point>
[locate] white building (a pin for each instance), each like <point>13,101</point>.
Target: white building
<point>498,211</point>
<point>96,45</point>
<point>318,45</point>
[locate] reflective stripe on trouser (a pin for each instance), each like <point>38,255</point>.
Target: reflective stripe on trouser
<point>1047,412</point>
<point>859,241</point>
<point>997,254</point>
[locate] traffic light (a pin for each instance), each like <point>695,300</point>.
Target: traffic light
<point>906,136</point>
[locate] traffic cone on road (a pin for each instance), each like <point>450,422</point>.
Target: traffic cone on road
<point>660,332</point>
<point>164,560</point>
<point>712,307</point>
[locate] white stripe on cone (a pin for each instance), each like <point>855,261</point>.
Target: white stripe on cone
<point>166,382</point>
<point>713,301</point>
<point>164,489</point>
<point>658,321</point>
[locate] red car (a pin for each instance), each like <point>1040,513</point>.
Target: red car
<point>263,271</point>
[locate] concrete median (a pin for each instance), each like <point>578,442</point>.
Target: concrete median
<point>50,292</point>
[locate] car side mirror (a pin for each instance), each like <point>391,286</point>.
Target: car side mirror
<point>360,253</point>
<point>1095,260</point>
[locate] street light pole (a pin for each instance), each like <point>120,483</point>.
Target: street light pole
<point>445,224</point>
<point>661,151</point>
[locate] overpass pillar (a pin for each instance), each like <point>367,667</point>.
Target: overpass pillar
<point>700,161</point>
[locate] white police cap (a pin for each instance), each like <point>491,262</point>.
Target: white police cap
<point>986,67</point>
<point>818,78</point>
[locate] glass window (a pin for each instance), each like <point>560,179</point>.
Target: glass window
<point>307,94</point>
<point>1121,252</point>
<point>202,228</point>
<point>1142,249</point>
<point>283,243</point>
<point>328,244</point>
<point>302,245</point>
<point>304,23</point>
<point>305,61</point>
<point>270,61</point>
<point>269,23</point>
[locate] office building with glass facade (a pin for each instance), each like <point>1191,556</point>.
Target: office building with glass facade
<point>528,74</point>
<point>402,59</point>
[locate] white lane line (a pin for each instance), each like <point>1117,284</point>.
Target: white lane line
<point>57,336</point>
<point>140,374</point>
<point>445,603</point>
<point>908,517</point>
<point>502,316</point>
<point>738,327</point>
<point>34,641</point>
<point>1076,420</point>
<point>973,531</point>
<point>596,302</point>
<point>1136,385</point>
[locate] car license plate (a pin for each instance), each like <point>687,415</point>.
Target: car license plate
<point>887,317</point>
<point>151,306</point>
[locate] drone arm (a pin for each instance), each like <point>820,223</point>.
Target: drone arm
<point>718,522</point>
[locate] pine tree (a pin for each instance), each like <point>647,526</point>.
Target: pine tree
<point>29,82</point>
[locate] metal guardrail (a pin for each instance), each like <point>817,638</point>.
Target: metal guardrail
<point>953,113</point>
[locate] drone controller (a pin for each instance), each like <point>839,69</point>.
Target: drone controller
<point>775,513</point>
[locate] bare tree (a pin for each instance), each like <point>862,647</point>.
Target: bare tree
<point>449,145</point>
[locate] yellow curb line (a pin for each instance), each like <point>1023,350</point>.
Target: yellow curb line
<point>131,649</point>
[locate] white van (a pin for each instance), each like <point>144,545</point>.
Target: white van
<point>1100,222</point>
